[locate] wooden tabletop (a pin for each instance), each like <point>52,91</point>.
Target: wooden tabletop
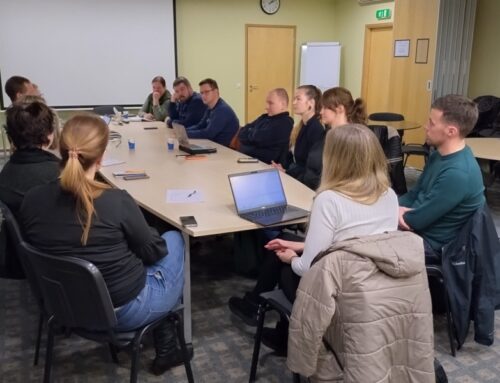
<point>483,147</point>
<point>398,125</point>
<point>216,214</point>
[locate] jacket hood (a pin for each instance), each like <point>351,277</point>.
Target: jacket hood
<point>399,254</point>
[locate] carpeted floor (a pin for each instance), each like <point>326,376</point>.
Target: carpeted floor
<point>222,344</point>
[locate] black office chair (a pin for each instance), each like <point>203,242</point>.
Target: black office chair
<point>271,300</point>
<point>77,298</point>
<point>386,116</point>
<point>104,110</point>
<point>436,272</point>
<point>20,267</point>
<point>391,144</point>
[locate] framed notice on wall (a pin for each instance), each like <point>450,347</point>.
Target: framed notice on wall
<point>422,51</point>
<point>402,48</point>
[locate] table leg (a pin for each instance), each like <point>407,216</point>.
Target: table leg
<point>187,290</point>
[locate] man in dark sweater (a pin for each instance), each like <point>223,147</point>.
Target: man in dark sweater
<point>219,123</point>
<point>451,187</point>
<point>186,107</point>
<point>267,138</point>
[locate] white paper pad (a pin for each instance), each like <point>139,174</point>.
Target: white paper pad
<point>184,196</point>
<point>134,119</point>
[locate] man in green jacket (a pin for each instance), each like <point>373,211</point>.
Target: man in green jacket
<point>451,187</point>
<point>156,105</point>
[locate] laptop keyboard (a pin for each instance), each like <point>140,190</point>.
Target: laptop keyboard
<point>271,211</point>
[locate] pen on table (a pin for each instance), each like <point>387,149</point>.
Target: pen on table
<point>191,194</point>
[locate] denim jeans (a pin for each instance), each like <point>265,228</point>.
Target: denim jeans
<point>163,288</point>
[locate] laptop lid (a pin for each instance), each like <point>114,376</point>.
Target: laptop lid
<point>106,119</point>
<point>180,133</point>
<point>257,190</point>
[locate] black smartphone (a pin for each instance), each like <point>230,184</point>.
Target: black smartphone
<point>188,221</point>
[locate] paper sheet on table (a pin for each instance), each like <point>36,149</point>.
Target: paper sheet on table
<point>134,119</point>
<point>184,196</point>
<point>111,161</point>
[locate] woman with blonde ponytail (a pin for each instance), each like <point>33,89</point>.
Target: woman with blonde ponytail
<point>81,217</point>
<point>305,135</point>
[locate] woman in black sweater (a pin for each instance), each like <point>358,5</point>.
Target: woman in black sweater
<point>81,217</point>
<point>305,135</point>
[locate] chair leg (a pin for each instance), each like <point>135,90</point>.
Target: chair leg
<point>136,351</point>
<point>113,352</point>
<point>449,322</point>
<point>261,314</point>
<point>50,347</point>
<point>38,338</point>
<point>296,378</point>
<point>182,342</point>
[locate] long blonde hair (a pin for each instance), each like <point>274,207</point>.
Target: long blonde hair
<point>354,164</point>
<point>312,93</point>
<point>83,140</point>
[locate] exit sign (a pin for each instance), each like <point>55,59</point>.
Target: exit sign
<point>383,14</point>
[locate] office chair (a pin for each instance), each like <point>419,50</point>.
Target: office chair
<point>76,297</point>
<point>271,300</point>
<point>19,268</point>
<point>103,110</point>
<point>436,272</point>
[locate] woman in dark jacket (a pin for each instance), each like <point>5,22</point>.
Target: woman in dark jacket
<point>306,134</point>
<point>80,217</point>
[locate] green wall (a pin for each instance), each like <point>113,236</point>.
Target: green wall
<point>350,20</point>
<point>211,39</point>
<point>485,64</point>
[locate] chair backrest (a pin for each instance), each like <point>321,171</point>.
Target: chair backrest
<point>386,116</point>
<point>73,290</point>
<point>489,110</point>
<point>103,110</point>
<point>10,236</point>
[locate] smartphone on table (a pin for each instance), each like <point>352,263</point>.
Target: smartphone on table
<point>188,221</point>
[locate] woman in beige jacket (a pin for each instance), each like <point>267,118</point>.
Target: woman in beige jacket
<point>362,312</point>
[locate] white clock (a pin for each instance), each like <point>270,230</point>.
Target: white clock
<point>270,6</point>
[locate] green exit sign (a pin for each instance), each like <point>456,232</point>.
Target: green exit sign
<point>383,14</point>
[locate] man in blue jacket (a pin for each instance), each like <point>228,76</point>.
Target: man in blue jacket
<point>267,138</point>
<point>219,123</point>
<point>186,106</point>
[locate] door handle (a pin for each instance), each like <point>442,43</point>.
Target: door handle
<point>253,87</point>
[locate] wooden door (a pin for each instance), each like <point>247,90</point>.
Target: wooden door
<point>377,67</point>
<point>270,63</point>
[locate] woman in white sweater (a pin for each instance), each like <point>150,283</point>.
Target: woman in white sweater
<point>354,199</point>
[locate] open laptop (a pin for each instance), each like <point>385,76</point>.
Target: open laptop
<point>259,197</point>
<point>185,146</point>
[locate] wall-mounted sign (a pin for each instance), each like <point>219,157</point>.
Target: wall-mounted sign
<point>383,14</point>
<point>401,48</point>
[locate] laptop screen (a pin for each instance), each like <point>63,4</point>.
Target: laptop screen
<point>258,189</point>
<point>106,119</point>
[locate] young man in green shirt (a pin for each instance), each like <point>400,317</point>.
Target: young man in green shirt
<point>451,187</point>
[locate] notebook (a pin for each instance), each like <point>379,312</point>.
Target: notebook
<point>259,197</point>
<point>185,146</point>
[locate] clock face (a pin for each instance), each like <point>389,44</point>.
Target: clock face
<point>270,6</point>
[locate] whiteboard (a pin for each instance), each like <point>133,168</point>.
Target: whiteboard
<point>83,53</point>
<point>320,65</point>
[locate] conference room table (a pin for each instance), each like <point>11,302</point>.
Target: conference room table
<point>214,210</point>
<point>487,148</point>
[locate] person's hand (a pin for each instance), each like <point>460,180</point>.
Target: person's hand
<point>148,116</point>
<point>402,224</point>
<point>174,97</point>
<point>286,256</point>
<point>156,98</point>
<point>277,166</point>
<point>280,244</point>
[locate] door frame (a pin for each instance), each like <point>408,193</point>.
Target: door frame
<point>247,26</point>
<point>366,53</point>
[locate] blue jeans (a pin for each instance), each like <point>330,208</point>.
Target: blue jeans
<point>163,288</point>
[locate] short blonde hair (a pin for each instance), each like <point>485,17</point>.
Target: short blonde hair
<point>354,164</point>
